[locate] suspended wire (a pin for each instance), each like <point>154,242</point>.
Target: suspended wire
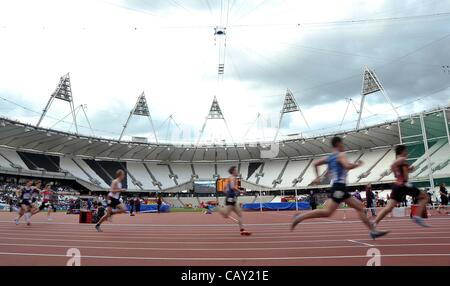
<point>221,11</point>
<point>209,6</point>
<point>51,117</point>
<point>341,53</point>
<point>349,22</point>
<point>252,10</point>
<point>408,103</point>
<point>228,12</point>
<point>131,8</point>
<point>176,3</point>
<point>380,66</point>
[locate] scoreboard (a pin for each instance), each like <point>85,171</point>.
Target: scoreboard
<point>205,187</point>
<point>223,183</point>
<point>212,186</point>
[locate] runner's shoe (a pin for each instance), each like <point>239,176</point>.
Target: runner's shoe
<point>378,233</point>
<point>420,221</point>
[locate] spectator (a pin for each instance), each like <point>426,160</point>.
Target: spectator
<point>137,204</point>
<point>131,202</point>
<point>312,200</point>
<point>444,198</point>
<point>370,199</point>
<point>159,202</point>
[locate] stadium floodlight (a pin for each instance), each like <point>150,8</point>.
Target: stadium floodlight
<point>140,109</point>
<point>62,92</point>
<point>215,112</point>
<point>289,105</point>
<point>371,84</point>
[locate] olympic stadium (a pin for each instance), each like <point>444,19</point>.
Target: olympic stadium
<point>176,93</point>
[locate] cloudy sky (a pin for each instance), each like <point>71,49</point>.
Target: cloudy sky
<point>116,49</point>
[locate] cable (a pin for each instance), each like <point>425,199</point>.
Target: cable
<point>351,22</point>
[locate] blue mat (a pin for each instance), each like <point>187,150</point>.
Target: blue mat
<point>277,206</point>
<point>152,208</point>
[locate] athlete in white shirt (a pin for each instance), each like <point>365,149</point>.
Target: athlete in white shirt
<point>115,206</point>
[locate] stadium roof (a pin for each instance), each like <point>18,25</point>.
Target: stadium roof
<point>30,138</point>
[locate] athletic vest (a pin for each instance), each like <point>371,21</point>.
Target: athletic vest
<point>230,191</point>
<point>399,174</point>
<point>338,174</point>
<point>26,193</point>
<point>117,194</point>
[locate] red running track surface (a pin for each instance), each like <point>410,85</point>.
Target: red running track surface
<point>199,239</point>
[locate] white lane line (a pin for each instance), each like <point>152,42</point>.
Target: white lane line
<point>257,236</point>
<point>363,243</point>
<point>359,245</point>
<point>221,225</point>
<point>222,258</point>
<point>241,242</point>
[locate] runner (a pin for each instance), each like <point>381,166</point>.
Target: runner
<point>401,188</point>
<point>24,195</point>
<point>34,197</point>
<point>231,204</point>
<point>115,206</point>
<point>47,194</point>
<point>338,166</point>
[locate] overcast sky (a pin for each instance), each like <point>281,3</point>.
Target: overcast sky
<point>116,49</point>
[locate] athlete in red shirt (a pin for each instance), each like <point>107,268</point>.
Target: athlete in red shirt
<point>46,194</point>
<point>402,187</point>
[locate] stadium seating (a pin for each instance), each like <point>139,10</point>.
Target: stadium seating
<point>14,158</point>
<point>40,161</point>
<point>269,173</point>
<point>140,173</point>
<point>161,174</point>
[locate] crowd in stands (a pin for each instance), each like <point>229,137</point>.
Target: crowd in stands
<point>64,196</point>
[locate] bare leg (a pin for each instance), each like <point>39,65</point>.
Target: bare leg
<point>331,207</point>
<point>238,212</point>
<point>21,212</point>
<point>225,211</point>
<point>423,199</point>
<point>391,204</point>
<point>120,209</point>
<point>105,216</point>
<point>359,208</point>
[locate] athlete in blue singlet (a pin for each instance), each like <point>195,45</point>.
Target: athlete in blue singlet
<point>25,196</point>
<point>231,204</point>
<point>338,167</point>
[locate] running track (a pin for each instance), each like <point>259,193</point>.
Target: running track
<point>198,239</point>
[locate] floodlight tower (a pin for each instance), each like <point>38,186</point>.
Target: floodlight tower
<point>370,85</point>
<point>289,105</point>
<point>63,92</point>
<point>214,113</point>
<point>140,109</point>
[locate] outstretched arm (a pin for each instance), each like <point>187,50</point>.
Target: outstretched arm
<point>346,164</point>
<point>316,164</point>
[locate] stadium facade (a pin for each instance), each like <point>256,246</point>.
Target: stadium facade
<point>32,151</point>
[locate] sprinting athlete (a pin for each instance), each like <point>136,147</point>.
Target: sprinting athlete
<point>115,206</point>
<point>34,197</point>
<point>338,167</point>
<point>46,194</point>
<point>24,195</point>
<point>401,187</point>
<point>231,204</point>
